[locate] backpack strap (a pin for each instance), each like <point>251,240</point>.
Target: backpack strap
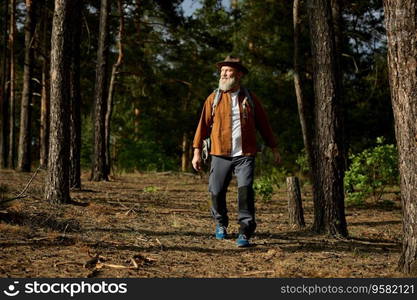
<point>248,97</point>
<point>217,98</point>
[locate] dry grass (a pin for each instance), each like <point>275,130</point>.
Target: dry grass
<point>158,225</point>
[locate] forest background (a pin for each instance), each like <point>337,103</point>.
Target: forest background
<point>102,89</point>
<point>168,70</point>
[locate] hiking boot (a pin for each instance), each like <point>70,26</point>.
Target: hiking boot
<point>242,240</point>
<point>221,232</point>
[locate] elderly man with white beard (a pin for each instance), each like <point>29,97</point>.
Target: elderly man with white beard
<point>230,117</point>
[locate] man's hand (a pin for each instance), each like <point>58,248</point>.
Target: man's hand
<point>277,156</point>
<point>197,159</point>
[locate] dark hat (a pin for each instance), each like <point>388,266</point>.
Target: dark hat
<point>234,62</point>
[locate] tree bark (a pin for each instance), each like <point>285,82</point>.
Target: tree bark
<point>329,211</point>
<point>45,99</point>
<point>99,170</point>
<point>75,100</point>
<point>338,24</point>
<point>295,206</point>
<point>4,87</point>
<point>401,26</point>
<point>113,79</point>
<point>305,108</point>
<point>57,179</point>
<point>337,7</point>
<point>24,159</point>
<point>185,147</point>
<point>12,141</point>
<point>185,158</point>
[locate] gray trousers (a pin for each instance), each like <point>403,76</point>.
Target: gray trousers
<point>221,171</point>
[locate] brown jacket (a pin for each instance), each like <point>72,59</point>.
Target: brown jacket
<point>251,119</point>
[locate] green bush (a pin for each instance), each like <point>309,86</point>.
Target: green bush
<point>263,188</point>
<point>302,161</point>
<point>370,172</point>
<point>264,185</point>
<point>143,155</point>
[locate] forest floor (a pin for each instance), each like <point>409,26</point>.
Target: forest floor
<point>158,225</point>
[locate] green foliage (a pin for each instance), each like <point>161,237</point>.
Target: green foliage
<point>143,155</point>
<point>150,189</point>
<point>169,70</point>
<point>370,172</point>
<point>302,161</point>
<point>264,188</point>
<point>264,185</point>
<point>278,175</point>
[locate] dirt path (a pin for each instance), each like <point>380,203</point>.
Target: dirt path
<point>158,225</point>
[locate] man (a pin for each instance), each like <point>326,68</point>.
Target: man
<point>232,123</point>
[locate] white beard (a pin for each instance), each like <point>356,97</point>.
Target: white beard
<point>227,84</point>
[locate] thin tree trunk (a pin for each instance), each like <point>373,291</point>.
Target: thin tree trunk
<point>113,78</point>
<point>12,129</point>
<point>401,26</point>
<point>4,89</point>
<point>24,159</point>
<point>137,20</point>
<point>337,6</point>
<point>185,159</point>
<point>99,170</point>
<point>75,95</point>
<point>329,211</point>
<point>45,110</point>
<point>338,24</point>
<point>295,206</point>
<point>305,110</point>
<point>57,179</point>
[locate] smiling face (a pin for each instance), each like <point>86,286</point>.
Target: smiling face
<point>229,78</point>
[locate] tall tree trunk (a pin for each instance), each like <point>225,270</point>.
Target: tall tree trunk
<point>24,159</point>
<point>338,24</point>
<point>337,6</point>
<point>57,179</point>
<point>295,204</point>
<point>12,141</point>
<point>305,108</point>
<point>401,26</point>
<point>99,171</point>
<point>75,99</point>
<point>45,99</point>
<point>185,158</point>
<point>329,210</point>
<point>4,87</point>
<point>113,79</point>
<point>185,146</point>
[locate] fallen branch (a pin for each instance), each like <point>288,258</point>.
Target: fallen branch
<point>21,195</point>
<point>259,272</point>
<point>101,265</point>
<point>131,209</point>
<point>135,264</point>
<point>68,263</point>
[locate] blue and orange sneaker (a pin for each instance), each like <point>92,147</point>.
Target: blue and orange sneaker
<point>221,232</point>
<point>242,241</point>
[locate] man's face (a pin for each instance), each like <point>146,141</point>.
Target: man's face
<point>227,72</point>
<point>229,78</point>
